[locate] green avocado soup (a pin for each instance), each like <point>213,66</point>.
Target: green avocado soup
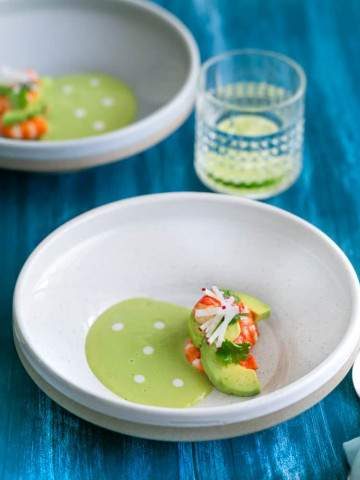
<point>136,349</point>
<point>87,104</point>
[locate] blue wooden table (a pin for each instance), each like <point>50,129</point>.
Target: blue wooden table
<point>41,441</point>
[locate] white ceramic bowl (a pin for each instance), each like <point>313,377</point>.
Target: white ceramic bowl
<point>168,246</point>
<point>136,40</point>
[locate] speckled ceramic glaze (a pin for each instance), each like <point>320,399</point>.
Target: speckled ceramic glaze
<point>167,246</point>
<point>134,40</point>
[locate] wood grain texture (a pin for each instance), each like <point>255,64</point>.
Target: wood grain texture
<point>41,441</point>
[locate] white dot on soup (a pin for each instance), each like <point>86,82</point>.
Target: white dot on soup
<point>67,89</point>
<point>107,101</point>
<point>139,378</point>
<point>94,82</point>
<point>117,326</point>
<point>148,350</point>
<point>98,125</point>
<point>177,382</point>
<point>80,112</point>
<point>159,325</point>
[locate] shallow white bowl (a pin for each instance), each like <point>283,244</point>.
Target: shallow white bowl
<point>168,246</point>
<point>138,41</point>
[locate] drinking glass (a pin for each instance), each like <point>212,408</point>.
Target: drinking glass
<point>250,123</point>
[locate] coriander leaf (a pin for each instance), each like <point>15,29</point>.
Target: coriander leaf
<point>18,98</point>
<point>229,293</point>
<point>232,353</point>
<point>226,292</point>
<point>235,319</point>
<point>225,355</point>
<point>5,90</point>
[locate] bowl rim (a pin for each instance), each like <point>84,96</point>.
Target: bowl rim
<point>253,408</point>
<point>159,115</point>
<point>252,52</point>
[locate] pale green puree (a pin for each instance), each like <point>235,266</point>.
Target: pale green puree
<point>87,104</point>
<point>136,349</point>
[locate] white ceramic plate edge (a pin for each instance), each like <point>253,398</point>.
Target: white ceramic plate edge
<point>178,433</point>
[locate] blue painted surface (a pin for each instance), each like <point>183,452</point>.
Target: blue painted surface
<point>41,441</point>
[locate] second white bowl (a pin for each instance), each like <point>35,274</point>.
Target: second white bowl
<point>138,41</point>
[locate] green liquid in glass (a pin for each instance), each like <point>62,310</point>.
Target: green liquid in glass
<point>248,154</point>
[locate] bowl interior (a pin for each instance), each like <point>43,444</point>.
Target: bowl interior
<point>168,247</point>
<point>125,39</point>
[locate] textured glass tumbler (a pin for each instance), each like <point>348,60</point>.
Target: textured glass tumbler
<point>250,123</point>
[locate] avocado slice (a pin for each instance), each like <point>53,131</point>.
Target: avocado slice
<point>196,335</point>
<point>232,378</point>
<point>20,115</point>
<point>232,331</point>
<point>259,308</point>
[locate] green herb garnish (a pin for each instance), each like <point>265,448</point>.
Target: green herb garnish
<point>5,90</point>
<point>235,319</point>
<point>12,117</point>
<point>18,97</point>
<point>231,353</point>
<point>229,293</point>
